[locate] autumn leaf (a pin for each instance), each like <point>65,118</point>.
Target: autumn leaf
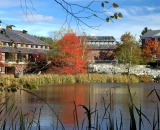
<point>107,19</point>
<point>115,5</point>
<point>95,15</point>
<point>120,15</point>
<point>102,4</point>
<point>106,1</point>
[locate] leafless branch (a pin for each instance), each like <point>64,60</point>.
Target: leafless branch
<point>77,12</point>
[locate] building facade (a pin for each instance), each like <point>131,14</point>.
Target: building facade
<point>152,34</point>
<point>102,48</point>
<point>17,49</point>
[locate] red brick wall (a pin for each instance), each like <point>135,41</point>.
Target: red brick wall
<point>101,55</point>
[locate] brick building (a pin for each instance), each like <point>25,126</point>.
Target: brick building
<point>152,34</point>
<point>16,50</point>
<point>102,47</point>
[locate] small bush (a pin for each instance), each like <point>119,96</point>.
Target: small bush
<point>145,78</point>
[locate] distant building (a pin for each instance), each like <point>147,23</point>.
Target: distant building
<point>102,47</point>
<point>18,46</point>
<point>152,34</point>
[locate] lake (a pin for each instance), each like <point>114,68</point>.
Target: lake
<point>61,98</point>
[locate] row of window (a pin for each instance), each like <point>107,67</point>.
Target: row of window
<point>101,42</point>
<point>26,45</point>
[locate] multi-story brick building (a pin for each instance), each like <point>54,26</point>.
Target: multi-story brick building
<point>17,48</point>
<point>102,47</point>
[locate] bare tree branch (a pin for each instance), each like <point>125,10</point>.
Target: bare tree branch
<point>79,13</point>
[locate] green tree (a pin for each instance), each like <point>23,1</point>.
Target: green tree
<point>145,30</point>
<point>47,40</point>
<point>128,51</point>
<point>58,34</point>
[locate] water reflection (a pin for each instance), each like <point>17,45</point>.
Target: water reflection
<point>61,98</point>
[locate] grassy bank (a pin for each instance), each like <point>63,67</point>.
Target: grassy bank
<point>63,79</point>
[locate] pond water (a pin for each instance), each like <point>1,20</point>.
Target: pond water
<point>61,98</point>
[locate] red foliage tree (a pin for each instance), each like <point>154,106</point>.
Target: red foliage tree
<point>69,59</point>
<point>150,49</point>
<point>1,59</point>
<point>38,57</point>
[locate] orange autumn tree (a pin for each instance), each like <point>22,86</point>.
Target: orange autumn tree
<point>69,59</point>
<point>150,49</point>
<point>1,57</point>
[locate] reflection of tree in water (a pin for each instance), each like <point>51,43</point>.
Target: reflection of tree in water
<point>104,55</point>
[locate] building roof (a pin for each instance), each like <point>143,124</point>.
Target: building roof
<point>101,38</point>
<point>19,36</point>
<point>151,33</point>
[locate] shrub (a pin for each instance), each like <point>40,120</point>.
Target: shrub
<point>145,78</point>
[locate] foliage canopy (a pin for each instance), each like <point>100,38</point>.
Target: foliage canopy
<point>128,51</point>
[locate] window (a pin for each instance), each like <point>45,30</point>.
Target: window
<point>153,39</point>
<point>0,69</point>
<point>26,45</point>
<point>32,46</point>
<point>22,45</point>
<point>41,46</point>
<point>4,44</point>
<point>36,46</point>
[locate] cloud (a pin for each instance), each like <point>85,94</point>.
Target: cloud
<point>123,11</point>
<point>135,9</point>
<point>148,18</point>
<point>150,8</point>
<point>37,18</point>
<point>127,11</point>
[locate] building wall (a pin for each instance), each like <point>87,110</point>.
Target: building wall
<point>144,40</point>
<point>101,55</point>
<point>11,67</point>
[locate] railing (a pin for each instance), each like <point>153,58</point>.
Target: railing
<point>104,61</point>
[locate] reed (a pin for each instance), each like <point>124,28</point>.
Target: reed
<point>63,79</point>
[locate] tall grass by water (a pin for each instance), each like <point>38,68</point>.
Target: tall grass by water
<point>63,79</point>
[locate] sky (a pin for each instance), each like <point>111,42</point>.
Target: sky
<point>43,17</point>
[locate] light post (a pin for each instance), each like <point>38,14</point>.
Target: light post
<point>130,60</point>
<point>157,57</point>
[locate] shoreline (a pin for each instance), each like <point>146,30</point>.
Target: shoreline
<point>79,78</point>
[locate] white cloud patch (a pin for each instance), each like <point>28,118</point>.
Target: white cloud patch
<point>119,10</point>
<point>135,10</point>
<point>123,11</point>
<point>150,8</point>
<point>37,18</point>
<point>146,19</point>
